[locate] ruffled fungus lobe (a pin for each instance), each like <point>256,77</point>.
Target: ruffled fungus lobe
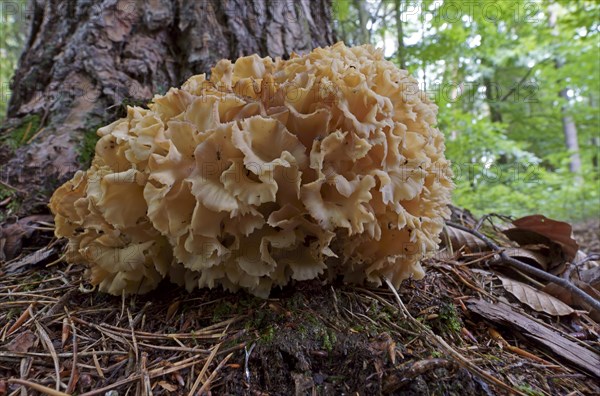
<point>324,164</point>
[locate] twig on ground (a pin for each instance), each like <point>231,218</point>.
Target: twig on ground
<point>50,347</point>
<point>5,184</point>
<point>577,264</point>
<point>247,353</point>
<point>214,374</point>
<point>595,304</point>
<point>204,370</point>
<point>37,387</point>
<point>487,217</point>
<point>74,375</point>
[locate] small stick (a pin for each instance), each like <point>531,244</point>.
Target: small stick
<point>204,370</point>
<point>5,184</point>
<point>214,374</point>
<point>74,374</point>
<point>37,387</point>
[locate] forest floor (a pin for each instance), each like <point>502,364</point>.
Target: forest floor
<point>439,335</point>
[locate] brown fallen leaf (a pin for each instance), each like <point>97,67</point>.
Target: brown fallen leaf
<point>556,231</point>
<point>534,242</point>
<point>536,299</point>
<point>31,260</point>
<point>11,236</point>
<point>13,233</point>
<point>588,281</point>
<point>591,277</point>
<point>527,255</point>
<point>172,310</point>
<point>459,238</point>
<point>22,342</point>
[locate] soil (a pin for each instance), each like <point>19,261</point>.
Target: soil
<point>587,234</point>
<point>309,338</point>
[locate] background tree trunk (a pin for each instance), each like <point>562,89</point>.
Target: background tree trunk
<point>400,52</point>
<point>363,18</point>
<point>568,123</point>
<point>570,132</point>
<point>84,60</point>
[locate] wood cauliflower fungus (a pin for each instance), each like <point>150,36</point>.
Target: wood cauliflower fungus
<point>324,164</point>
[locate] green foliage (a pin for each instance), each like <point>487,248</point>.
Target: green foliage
<point>12,37</point>
<point>87,149</point>
<point>329,340</point>
<point>450,317</point>
<point>12,207</point>
<point>495,69</point>
<point>529,390</point>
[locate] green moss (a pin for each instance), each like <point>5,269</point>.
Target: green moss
<point>449,317</point>
<point>20,134</point>
<point>529,390</point>
<point>87,149</point>
<point>222,311</point>
<point>12,207</point>
<point>268,335</point>
<point>329,340</point>
<point>12,313</point>
<point>303,331</point>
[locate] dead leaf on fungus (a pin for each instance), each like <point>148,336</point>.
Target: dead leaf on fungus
<point>536,299</point>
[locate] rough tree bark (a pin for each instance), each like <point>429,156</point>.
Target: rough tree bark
<point>84,60</point>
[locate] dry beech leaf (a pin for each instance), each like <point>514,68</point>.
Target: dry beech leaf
<point>172,310</point>
<point>459,238</point>
<point>591,276</point>
<point>528,255</point>
<point>22,342</point>
<point>557,231</point>
<point>532,241</point>
<point>536,299</point>
<point>588,281</point>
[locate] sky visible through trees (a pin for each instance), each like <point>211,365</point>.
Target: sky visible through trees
<point>517,84</point>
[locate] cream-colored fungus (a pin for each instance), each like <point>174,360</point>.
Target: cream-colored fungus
<point>321,165</point>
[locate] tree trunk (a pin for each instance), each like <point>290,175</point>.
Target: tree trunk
<point>399,32</point>
<point>492,97</point>
<point>568,124</point>
<point>570,132</point>
<point>84,60</point>
<point>363,18</point>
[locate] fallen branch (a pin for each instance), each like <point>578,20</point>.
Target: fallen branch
<point>595,304</point>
